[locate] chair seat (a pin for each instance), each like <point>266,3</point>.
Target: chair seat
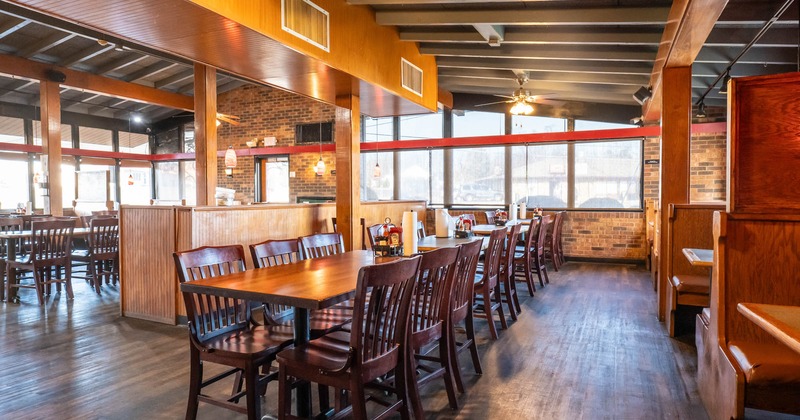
<point>689,283</point>
<point>329,352</point>
<point>255,343</point>
<point>767,364</point>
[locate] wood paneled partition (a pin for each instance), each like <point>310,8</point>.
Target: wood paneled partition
<point>150,234</point>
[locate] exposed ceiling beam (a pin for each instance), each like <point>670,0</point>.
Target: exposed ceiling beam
<point>534,76</point>
<point>177,77</point>
<point>528,16</point>
<point>546,65</point>
<point>186,88</point>
<point>688,26</point>
<point>44,44</point>
<point>79,100</point>
<point>15,86</point>
<point>233,84</point>
<point>13,25</point>
<point>119,63</point>
<point>493,34</point>
<point>535,35</point>
<point>84,54</point>
<point>739,37</point>
<point>539,87</point>
<point>740,69</point>
<point>584,96</point>
<point>754,13</point>
<point>756,55</point>
<point>148,71</point>
<point>98,84</point>
<point>643,54</point>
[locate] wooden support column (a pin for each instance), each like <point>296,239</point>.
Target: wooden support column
<point>348,168</point>
<point>50,117</point>
<point>676,125</point>
<point>205,133</point>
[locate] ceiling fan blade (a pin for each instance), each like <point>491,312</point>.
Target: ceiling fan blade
<point>495,103</point>
<point>230,119</point>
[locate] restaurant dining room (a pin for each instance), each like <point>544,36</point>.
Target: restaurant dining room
<point>428,209</point>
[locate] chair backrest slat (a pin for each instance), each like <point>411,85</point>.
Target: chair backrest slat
<point>372,233</point>
<point>380,318</point>
<point>431,299</point>
<point>103,236</point>
<point>269,254</point>
<point>210,316</point>
<point>494,251</point>
<point>51,241</point>
<point>464,279</point>
<point>322,245</point>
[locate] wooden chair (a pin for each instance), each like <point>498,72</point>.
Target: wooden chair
<point>102,256</point>
<point>429,314</point>
<point>333,224</point>
<point>51,248</point>
<point>278,252</point>
<point>375,347</point>
<point>372,233</point>
<point>552,243</point>
<point>322,245</point>
<point>221,331</point>
<point>539,263</point>
<point>462,291</point>
<point>487,296</point>
<point>523,257</point>
<point>421,230</point>
<point>489,217</point>
<point>109,213</point>
<point>7,224</point>
<point>508,283</point>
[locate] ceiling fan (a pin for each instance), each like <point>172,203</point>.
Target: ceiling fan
<point>521,99</point>
<point>230,119</point>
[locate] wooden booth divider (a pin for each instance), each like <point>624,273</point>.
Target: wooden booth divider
<point>150,234</point>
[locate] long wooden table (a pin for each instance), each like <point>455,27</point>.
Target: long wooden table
<point>307,285</point>
<point>429,243</point>
<point>780,321</point>
<point>487,229</point>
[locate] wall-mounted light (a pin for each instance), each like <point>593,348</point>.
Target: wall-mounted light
<point>230,161</point>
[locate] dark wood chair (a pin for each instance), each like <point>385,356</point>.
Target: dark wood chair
<point>7,224</point>
<point>333,224</point>
<point>278,252</point>
<point>50,252</point>
<point>372,233</point>
<point>421,230</point>
<point>221,331</point>
<point>107,213</point>
<point>375,347</point>
<point>487,296</point>
<point>552,241</point>
<point>429,314</point>
<point>462,292</point>
<point>508,283</point>
<point>321,245</point>
<point>537,253</point>
<point>102,256</point>
<point>489,217</point>
<point>523,257</point>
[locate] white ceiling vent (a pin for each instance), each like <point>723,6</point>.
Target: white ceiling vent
<point>306,21</point>
<point>411,76</point>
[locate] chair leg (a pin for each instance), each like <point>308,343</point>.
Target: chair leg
<point>413,387</point>
<point>539,272</point>
<point>529,276</point>
<point>546,277</point>
<point>469,327</point>
<point>500,313</point>
<point>38,281</point>
<point>251,393</point>
<point>359,400</point>
<point>2,281</point>
<point>452,357</point>
<point>512,311</point>
<point>195,383</point>
<point>68,282</point>
<point>324,398</point>
<point>449,382</point>
<point>487,309</point>
<point>93,275</point>
<point>284,393</point>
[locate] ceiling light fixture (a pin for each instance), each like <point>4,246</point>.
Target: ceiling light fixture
<point>521,108</point>
<point>701,110</point>
<point>319,168</point>
<point>724,88</point>
<point>230,161</point>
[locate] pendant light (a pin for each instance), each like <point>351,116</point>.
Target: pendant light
<point>230,161</point>
<point>319,168</point>
<point>376,172</point>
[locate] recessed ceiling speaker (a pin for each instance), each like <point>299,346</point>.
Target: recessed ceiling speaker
<point>55,76</point>
<point>642,95</point>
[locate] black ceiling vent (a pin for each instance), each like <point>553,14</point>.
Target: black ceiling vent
<point>312,133</point>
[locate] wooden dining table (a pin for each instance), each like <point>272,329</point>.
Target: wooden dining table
<point>307,285</point>
<point>780,321</point>
<point>486,230</point>
<point>699,257</point>
<point>429,243</point>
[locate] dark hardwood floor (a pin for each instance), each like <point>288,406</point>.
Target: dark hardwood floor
<point>587,346</point>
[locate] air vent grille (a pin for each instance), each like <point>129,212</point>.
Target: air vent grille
<point>306,21</point>
<point>412,77</point>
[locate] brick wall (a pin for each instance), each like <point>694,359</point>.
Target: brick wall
<point>613,235</point>
<point>264,112</point>
<point>708,167</point>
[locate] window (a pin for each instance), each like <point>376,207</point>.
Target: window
<point>539,175</point>
<point>378,129</point>
<point>608,175</point>
<point>585,125</point>
<point>188,138</point>
<point>380,187</point>
<point>12,130</point>
<point>188,182</point>
<point>95,139</point>
<point>68,178</point>
<point>422,126</point>
<point>14,182</point>
<point>66,135</point>
<point>136,185</point>
<point>415,175</point>
<point>134,143</point>
<point>479,175</point>
<point>527,124</point>
<point>168,181</point>
<point>472,123</point>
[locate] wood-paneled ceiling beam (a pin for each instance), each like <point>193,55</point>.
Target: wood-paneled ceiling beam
<point>84,54</point>
<point>688,26</point>
<point>531,17</point>
<point>535,35</point>
<point>45,44</point>
<point>407,2</point>
<point>89,82</point>
<point>643,54</point>
<point>546,65</point>
<point>11,26</point>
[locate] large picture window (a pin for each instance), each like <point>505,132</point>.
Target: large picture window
<point>608,175</point>
<point>479,175</point>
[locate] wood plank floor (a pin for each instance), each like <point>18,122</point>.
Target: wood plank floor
<point>586,346</point>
